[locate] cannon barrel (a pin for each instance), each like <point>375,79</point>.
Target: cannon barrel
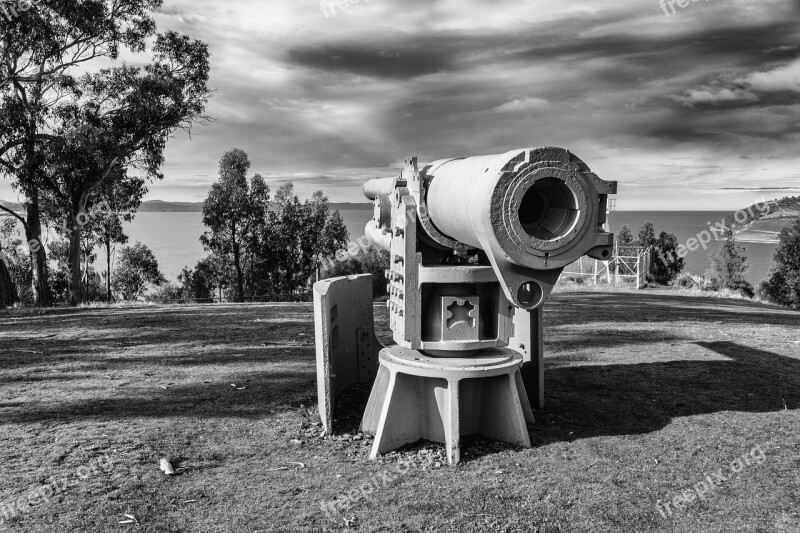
<point>539,208</point>
<point>533,211</point>
<point>378,186</point>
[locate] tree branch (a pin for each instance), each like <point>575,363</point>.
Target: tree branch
<point>15,215</point>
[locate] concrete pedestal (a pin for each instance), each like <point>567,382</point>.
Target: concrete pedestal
<point>416,396</point>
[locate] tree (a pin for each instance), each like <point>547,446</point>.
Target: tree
<point>305,234</point>
<point>728,265</point>
<point>626,248</point>
<point>9,262</point>
<point>624,237</point>
<point>261,258</point>
<point>122,117</point>
<point>8,291</point>
<point>667,265</point>
<point>268,244</point>
<point>38,50</point>
<point>122,197</point>
<point>228,212</point>
<point>325,233</point>
<point>137,267</point>
<point>647,235</point>
<point>59,277</point>
<point>783,285</point>
<point>289,221</point>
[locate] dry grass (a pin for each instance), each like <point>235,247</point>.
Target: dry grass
<point>647,393</point>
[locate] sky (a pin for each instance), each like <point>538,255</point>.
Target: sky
<point>688,108</point>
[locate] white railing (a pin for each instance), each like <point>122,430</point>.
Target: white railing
<point>627,263</point>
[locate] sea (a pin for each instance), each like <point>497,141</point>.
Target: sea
<point>174,238</point>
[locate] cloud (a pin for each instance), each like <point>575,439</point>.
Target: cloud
<point>760,188</point>
<point>528,105</point>
<point>784,78</point>
<point>709,95</point>
<point>784,51</point>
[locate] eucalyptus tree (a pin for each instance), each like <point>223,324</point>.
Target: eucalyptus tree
<point>122,118</point>
<point>120,198</point>
<point>324,234</point>
<point>305,234</point>
<point>228,212</point>
<point>40,49</point>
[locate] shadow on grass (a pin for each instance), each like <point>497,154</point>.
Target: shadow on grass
<point>103,348</point>
<point>606,340</point>
<point>590,401</point>
<point>264,393</point>
<point>581,401</point>
<point>608,400</point>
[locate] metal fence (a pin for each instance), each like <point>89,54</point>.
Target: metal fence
<point>627,263</point>
<point>271,298</point>
<point>634,264</point>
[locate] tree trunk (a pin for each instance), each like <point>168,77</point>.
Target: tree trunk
<point>237,264</point>
<point>85,274</point>
<point>8,292</point>
<point>108,267</point>
<point>75,282</point>
<point>33,234</point>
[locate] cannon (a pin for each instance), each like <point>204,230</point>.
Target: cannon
<point>476,246</point>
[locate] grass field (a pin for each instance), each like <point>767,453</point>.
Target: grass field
<point>647,394</point>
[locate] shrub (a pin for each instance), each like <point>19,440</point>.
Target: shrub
<point>702,283</point>
<point>371,261</point>
<point>137,267</point>
<point>783,286</point>
<point>166,292</point>
<point>728,265</point>
<point>687,281</point>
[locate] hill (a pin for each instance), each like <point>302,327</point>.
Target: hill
<point>160,206</point>
<point>764,226</point>
<point>11,205</point>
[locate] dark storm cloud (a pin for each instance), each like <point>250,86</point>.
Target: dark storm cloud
<point>413,55</point>
<point>403,61</point>
<point>745,44</point>
<point>746,99</point>
<point>733,126</point>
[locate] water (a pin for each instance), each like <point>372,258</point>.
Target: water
<point>687,225</point>
<point>175,237</point>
